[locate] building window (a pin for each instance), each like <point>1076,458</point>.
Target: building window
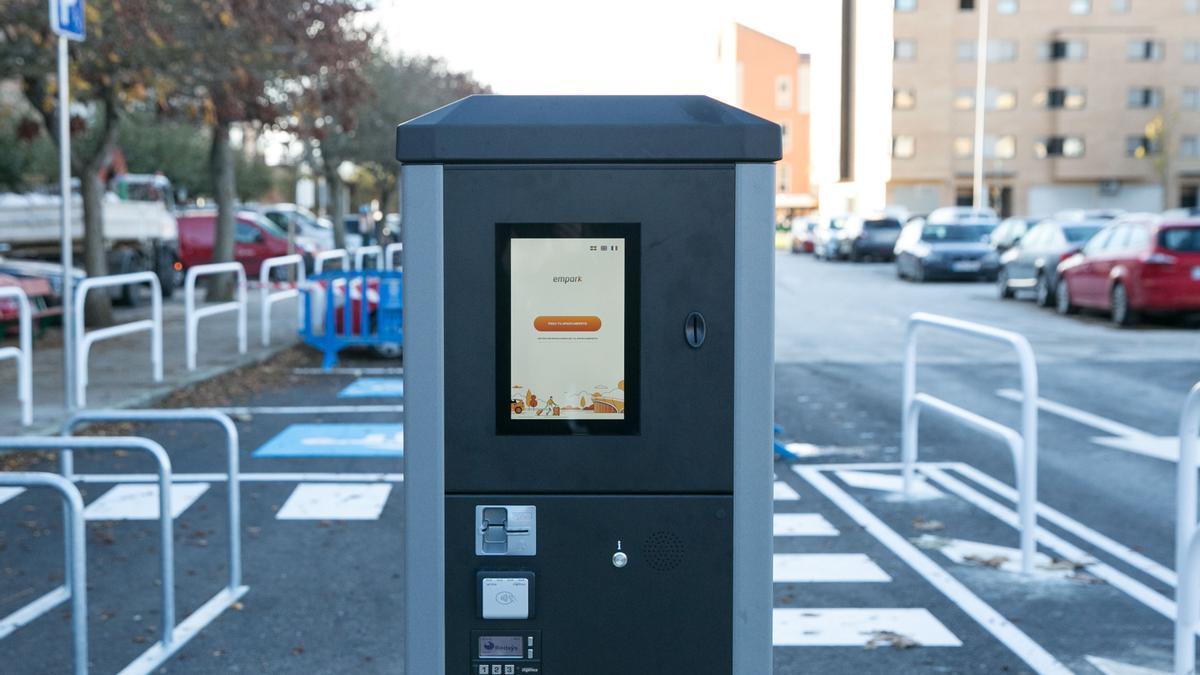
<point>999,51</point>
<point>1001,99</point>
<point>1071,147</point>
<point>904,147</point>
<point>1145,97</point>
<point>905,50</point>
<point>1191,52</point>
<point>1121,6</point>
<point>994,147</point>
<point>1191,6</point>
<point>1189,147</point>
<point>1007,6</point>
<point>1145,50</point>
<point>964,99</point>
<point>785,136</point>
<point>906,5</point>
<point>783,92</point>
<point>783,178</point>
<point>904,99</point>
<point>1063,50</point>
<point>1141,146</point>
<point>964,147</point>
<point>965,50</point>
<point>1061,98</point>
<point>1191,98</point>
<point>1081,6</point>
<point>967,5</point>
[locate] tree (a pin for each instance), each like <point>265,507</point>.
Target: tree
<point>112,69</point>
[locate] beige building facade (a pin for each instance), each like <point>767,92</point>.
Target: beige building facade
<point>1090,104</point>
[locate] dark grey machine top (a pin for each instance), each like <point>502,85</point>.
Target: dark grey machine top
<point>581,129</point>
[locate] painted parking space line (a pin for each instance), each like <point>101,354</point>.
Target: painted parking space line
<point>140,501</point>
<point>1012,637</point>
<point>7,493</point>
<point>856,627</point>
<point>336,440</point>
<point>1002,558</point>
<point>310,409</point>
<point>1121,436</point>
<point>785,492</point>
<point>374,387</point>
<point>884,482</point>
<point>803,525</point>
<point>357,372</point>
<point>806,568</point>
<point>268,477</point>
<point>335,501</point>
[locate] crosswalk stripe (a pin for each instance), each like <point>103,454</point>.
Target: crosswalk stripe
<point>856,627</point>
<point>803,525</point>
<point>886,482</point>
<point>335,501</point>
<point>785,492</point>
<point>139,501</point>
<point>826,568</point>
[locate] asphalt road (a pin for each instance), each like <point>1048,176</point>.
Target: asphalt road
<point>325,592</point>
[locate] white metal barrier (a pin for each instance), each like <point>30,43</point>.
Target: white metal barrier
<point>335,254</point>
<point>389,255</point>
<point>23,352</point>
<point>361,253</point>
<point>1187,543</point>
<point>269,298</point>
<point>1023,446</point>
<point>84,340</point>
<point>192,316</point>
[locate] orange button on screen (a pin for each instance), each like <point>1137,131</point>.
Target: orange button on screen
<point>555,324</point>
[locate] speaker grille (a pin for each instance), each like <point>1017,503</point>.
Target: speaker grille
<point>663,551</point>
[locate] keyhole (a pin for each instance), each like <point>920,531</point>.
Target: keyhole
<point>694,329</point>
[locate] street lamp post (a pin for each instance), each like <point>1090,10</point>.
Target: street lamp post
<point>981,61</point>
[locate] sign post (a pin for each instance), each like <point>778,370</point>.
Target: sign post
<point>66,20</point>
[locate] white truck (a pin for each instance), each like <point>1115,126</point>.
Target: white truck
<point>140,232</point>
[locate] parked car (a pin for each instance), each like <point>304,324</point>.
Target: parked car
<point>803,230</point>
<point>302,223</point>
<point>946,246</point>
<point>1009,232</point>
<point>255,240</point>
<point>1138,264</point>
<point>826,237</point>
<point>873,237</point>
<point>1081,215</point>
<point>37,270</point>
<point>1033,262</point>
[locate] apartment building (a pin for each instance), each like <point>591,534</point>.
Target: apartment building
<point>1090,103</point>
<point>770,78</point>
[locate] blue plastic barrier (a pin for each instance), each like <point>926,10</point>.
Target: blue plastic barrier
<point>781,450</point>
<point>362,308</point>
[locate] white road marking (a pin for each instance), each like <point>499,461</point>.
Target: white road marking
<point>807,450</point>
<point>785,492</point>
<point>302,477</point>
<point>884,482</point>
<point>987,617</point>
<point>185,630</point>
<point>348,371</point>
<point>335,501</point>
<point>1123,437</point>
<point>1104,543</point>
<point>803,525</point>
<point>854,627</point>
<point>30,612</point>
<point>973,553</point>
<point>1134,589</point>
<point>805,568</point>
<point>7,493</point>
<point>1110,667</point>
<point>311,409</point>
<point>128,501</point>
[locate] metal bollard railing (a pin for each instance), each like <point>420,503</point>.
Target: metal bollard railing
<point>227,426</point>
<point>362,252</point>
<point>23,353</point>
<point>84,340</point>
<point>192,315</point>
<point>166,532</point>
<point>268,298</point>
<point>75,573</point>
<point>1023,446</point>
<point>389,255</point>
<point>1187,541</point>
<point>334,254</point>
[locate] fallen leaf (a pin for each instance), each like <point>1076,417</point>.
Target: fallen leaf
<point>920,523</point>
<point>297,650</point>
<point>238,606</point>
<point>883,638</point>
<point>930,541</point>
<point>994,562</point>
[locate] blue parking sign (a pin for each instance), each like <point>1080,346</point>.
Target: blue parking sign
<point>66,18</point>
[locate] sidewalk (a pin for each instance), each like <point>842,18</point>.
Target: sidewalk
<point>120,373</point>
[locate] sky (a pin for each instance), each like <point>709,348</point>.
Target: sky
<point>609,47</point>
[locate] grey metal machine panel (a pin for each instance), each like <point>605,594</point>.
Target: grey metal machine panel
<point>754,387</point>
<point>424,489</point>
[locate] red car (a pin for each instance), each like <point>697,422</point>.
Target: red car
<point>255,240</point>
<point>1138,264</point>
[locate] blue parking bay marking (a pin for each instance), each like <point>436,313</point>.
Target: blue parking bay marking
<point>336,440</point>
<point>374,387</point>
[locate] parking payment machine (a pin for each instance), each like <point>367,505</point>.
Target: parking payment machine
<point>588,375</point>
